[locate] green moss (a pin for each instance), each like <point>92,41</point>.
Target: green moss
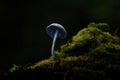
<point>88,39</point>
<point>70,62</point>
<point>47,63</point>
<point>102,26</point>
<point>93,53</point>
<point>14,68</point>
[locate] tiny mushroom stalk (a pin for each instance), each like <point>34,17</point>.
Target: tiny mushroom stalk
<point>55,31</point>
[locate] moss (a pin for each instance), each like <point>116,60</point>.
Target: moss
<point>93,53</point>
<point>14,68</point>
<point>88,39</point>
<point>102,26</point>
<point>70,62</point>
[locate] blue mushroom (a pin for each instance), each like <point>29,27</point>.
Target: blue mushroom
<point>55,31</point>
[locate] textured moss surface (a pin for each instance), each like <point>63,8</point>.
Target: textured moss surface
<point>92,54</point>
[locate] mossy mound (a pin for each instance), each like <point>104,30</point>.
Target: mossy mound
<point>90,38</point>
<point>93,53</point>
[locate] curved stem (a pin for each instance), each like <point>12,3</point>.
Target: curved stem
<point>53,44</point>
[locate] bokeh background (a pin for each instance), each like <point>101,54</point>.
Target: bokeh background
<point>23,38</point>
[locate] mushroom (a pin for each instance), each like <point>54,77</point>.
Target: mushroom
<point>55,31</point>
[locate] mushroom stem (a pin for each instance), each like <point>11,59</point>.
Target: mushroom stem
<point>53,44</point>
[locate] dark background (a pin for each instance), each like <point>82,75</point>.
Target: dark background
<point>23,38</point>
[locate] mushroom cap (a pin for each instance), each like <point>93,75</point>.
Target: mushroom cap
<point>52,28</point>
